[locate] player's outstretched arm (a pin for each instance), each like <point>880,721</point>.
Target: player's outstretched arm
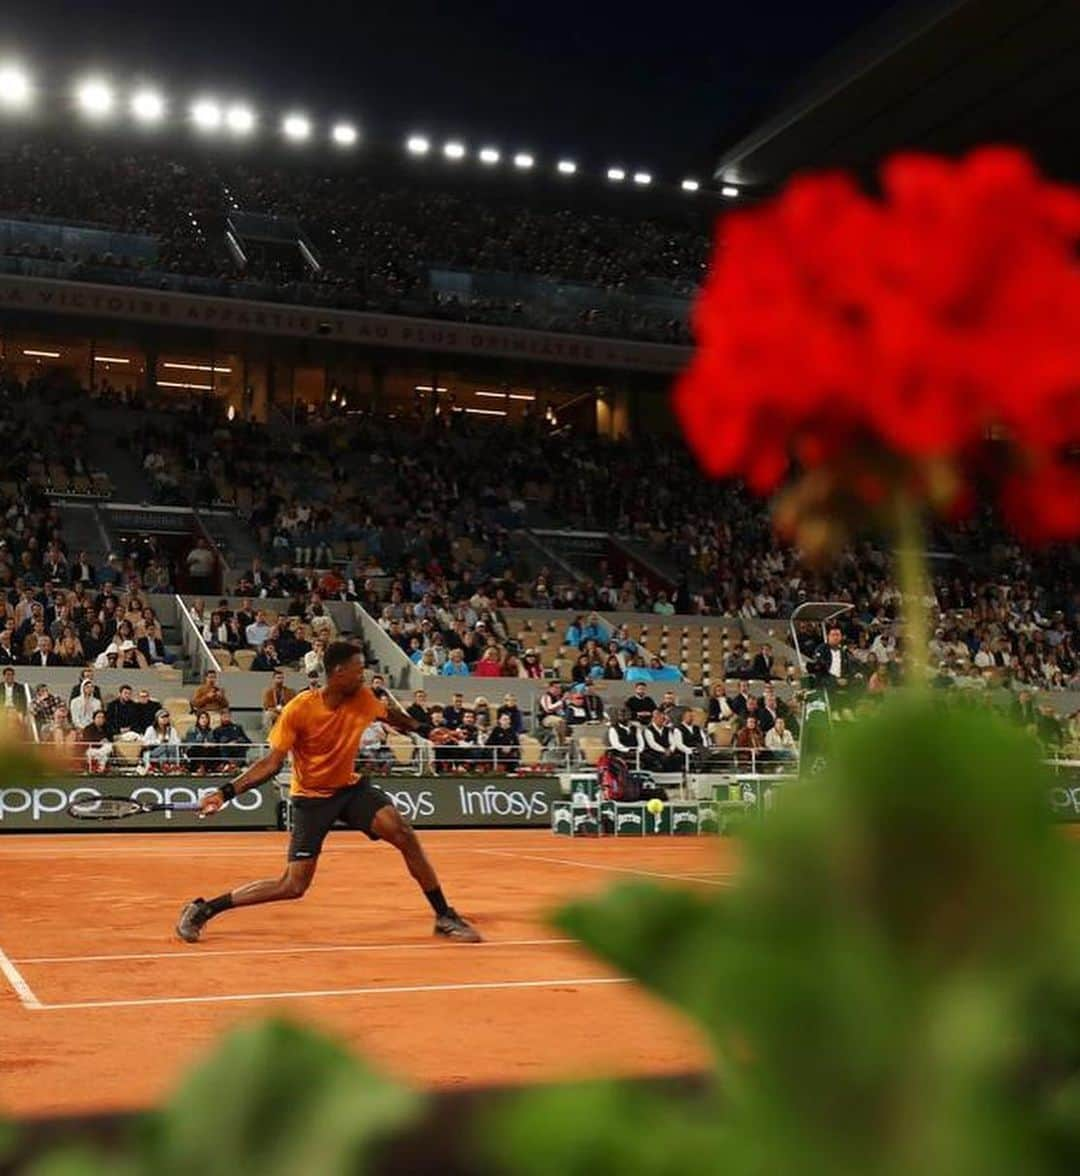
<point>258,773</point>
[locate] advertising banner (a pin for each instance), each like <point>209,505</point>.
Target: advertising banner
<point>495,801</point>
<point>43,807</point>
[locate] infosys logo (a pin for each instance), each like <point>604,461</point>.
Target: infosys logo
<point>414,805</point>
<point>1065,800</point>
<point>490,801</point>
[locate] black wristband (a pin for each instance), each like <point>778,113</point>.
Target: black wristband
<point>227,790</point>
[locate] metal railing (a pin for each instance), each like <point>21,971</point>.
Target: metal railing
<point>194,644</point>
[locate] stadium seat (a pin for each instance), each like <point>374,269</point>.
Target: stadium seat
<point>402,747</point>
<point>127,751</point>
<point>177,706</point>
<point>244,658</point>
<point>591,748</point>
<point>531,751</point>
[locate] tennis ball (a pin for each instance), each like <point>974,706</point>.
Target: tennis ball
<point>655,806</point>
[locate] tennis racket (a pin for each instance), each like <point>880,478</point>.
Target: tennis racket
<point>116,808</point>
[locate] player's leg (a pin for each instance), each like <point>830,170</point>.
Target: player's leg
<point>312,820</point>
<point>386,824</point>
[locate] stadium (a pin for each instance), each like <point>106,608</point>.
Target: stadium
<point>285,398</point>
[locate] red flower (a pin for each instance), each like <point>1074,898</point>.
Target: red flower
<point>839,330</point>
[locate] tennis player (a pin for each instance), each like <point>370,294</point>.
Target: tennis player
<point>322,729</point>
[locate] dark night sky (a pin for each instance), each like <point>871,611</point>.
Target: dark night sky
<point>656,88</point>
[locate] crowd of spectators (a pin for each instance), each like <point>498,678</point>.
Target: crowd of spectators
<point>377,236</point>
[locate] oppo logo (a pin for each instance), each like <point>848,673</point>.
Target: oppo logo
<point>39,803</point>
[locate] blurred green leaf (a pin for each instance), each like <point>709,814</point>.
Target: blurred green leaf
<point>278,1100</point>
<point>604,1127</point>
<point>75,1160</point>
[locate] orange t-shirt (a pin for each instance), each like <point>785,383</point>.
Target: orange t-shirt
<point>324,742</point>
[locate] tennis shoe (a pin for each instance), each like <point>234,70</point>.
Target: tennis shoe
<point>453,926</point>
<point>193,918</point>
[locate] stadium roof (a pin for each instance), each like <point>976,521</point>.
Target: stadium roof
<point>936,75</point>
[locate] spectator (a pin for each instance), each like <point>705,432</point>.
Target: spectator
<point>85,675</point>
<point>427,664</point>
<point>44,708</point>
<point>161,743</point>
<point>504,745</point>
<point>454,666</point>
<point>95,738</point>
<point>553,711</point>
<point>63,736</point>
<point>231,740</point>
<point>124,716</point>
<point>201,565</point>
<point>640,704</point>
<point>658,750</point>
<point>209,696</point>
<point>85,705</point>
<point>199,745</point>
<point>147,708</point>
<point>593,704</point>
<point>532,665</point>
<point>259,631</point>
<point>690,740</point>
<point>780,742</point>
<point>624,737</point>
<point>489,665</point>
<point>612,669</point>
<point>274,698</point>
<point>510,707</point>
<point>762,666</point>
<point>417,709</point>
<point>749,740</point>
<point>44,654</point>
<point>266,661</point>
<point>454,714</point>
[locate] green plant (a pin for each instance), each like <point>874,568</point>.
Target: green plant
<point>892,986</point>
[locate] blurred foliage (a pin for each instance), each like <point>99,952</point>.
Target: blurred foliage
<point>273,1099</point>
<point>892,986</point>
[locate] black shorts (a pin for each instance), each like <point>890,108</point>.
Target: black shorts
<point>314,816</point>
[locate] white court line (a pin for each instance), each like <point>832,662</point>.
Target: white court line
<point>534,857</point>
<point>277,847</point>
<point>409,988</point>
<point>22,990</point>
<point>198,954</point>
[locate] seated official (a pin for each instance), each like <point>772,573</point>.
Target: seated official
<point>503,745</point>
<point>658,750</point>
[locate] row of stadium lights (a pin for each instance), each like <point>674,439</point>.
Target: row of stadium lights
<point>97,100</point>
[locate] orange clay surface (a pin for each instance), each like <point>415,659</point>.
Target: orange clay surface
<point>102,1008</point>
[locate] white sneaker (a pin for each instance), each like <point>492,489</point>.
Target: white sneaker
<point>141,770</point>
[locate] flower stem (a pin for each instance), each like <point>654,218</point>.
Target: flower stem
<point>914,587</point>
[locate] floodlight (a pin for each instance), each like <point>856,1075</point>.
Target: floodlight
<point>642,178</point>
<point>240,119</point>
<point>454,150</point>
<point>344,134</point>
<point>690,185</point>
<point>567,167</point>
<point>95,97</point>
<point>616,174</point>
<point>417,145</point>
<point>489,155</point>
<point>14,87</point>
<point>523,160</point>
<point>296,127</point>
<point>729,191</point>
<point>147,106</point>
<point>206,114</point>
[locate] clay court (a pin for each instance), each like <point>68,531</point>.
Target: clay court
<point>102,1008</point>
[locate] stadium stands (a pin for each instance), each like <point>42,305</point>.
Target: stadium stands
<point>370,241</point>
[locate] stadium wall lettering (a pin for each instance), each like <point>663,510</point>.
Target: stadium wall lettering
<point>495,801</point>
<point>84,298</point>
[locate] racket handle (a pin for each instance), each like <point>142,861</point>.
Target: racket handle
<point>186,806</point>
